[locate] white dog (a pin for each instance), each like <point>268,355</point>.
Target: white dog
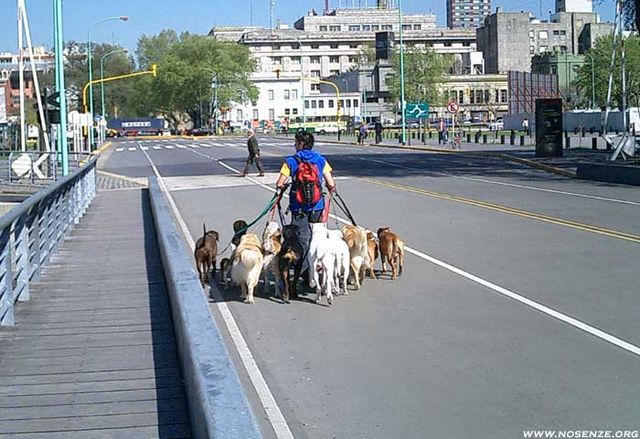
<point>247,265</point>
<point>340,251</point>
<point>271,245</point>
<point>321,262</point>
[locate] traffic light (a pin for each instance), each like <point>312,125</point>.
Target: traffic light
<point>51,107</point>
<point>154,70</point>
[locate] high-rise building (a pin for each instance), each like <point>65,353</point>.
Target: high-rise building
<point>467,13</point>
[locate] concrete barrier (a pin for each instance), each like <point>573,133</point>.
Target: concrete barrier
<point>218,407</point>
<point>610,173</point>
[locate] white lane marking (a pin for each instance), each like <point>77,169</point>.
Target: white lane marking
<point>269,404</point>
<point>193,145</point>
<point>216,144</point>
<point>497,288</point>
<point>144,148</point>
<point>132,149</point>
<point>157,147</point>
<point>181,146</point>
<point>168,146</point>
<point>500,183</point>
<point>205,145</point>
<point>119,149</point>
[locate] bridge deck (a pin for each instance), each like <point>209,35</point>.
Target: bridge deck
<point>93,353</point>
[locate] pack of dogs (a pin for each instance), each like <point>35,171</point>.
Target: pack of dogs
<point>334,258</point>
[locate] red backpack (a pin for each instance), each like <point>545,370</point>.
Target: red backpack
<point>306,183</point>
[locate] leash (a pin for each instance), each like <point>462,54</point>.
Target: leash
<point>343,207</point>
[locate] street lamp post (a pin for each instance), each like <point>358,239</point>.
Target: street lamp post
<point>402,103</point>
<point>89,58</point>
<point>63,153</point>
<point>105,56</point>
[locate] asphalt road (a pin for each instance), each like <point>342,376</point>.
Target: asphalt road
<point>518,308</point>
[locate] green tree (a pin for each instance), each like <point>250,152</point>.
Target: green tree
<point>424,72</point>
<point>183,90</point>
<point>600,58</point>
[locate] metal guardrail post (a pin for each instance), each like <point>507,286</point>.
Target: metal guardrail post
<point>21,242</point>
<point>7,316</point>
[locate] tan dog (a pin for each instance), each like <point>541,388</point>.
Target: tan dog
<point>391,249</point>
<point>247,265</point>
<point>356,239</point>
<point>372,248</point>
<point>271,245</point>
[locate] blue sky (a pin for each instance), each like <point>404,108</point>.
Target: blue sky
<point>197,16</point>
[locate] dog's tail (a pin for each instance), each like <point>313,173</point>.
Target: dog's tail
<point>204,231</point>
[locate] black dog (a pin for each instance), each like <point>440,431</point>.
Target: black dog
<point>239,229</point>
<point>290,256</point>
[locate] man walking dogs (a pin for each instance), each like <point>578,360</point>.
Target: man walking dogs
<point>254,154</point>
<point>308,171</point>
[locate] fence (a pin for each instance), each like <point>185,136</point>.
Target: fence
<point>31,232</point>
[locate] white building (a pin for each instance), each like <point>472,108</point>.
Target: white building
<point>319,46</point>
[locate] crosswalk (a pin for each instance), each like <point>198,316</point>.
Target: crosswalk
<point>197,145</point>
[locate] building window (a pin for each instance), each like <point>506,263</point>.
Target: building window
<point>353,46</point>
<point>272,114</point>
<point>334,28</point>
<point>315,59</point>
<point>355,103</point>
<point>315,74</point>
<point>353,59</point>
<point>333,46</point>
<point>366,27</point>
<point>354,27</point>
<point>315,46</point>
<point>287,111</point>
<point>295,111</point>
<point>348,103</point>
<point>386,27</point>
<point>322,28</point>
<point>276,47</point>
<point>375,27</point>
<point>270,94</point>
<point>406,27</point>
<point>315,87</point>
<point>320,103</point>
<point>472,97</point>
<point>286,95</point>
<point>487,96</point>
<point>330,103</point>
<point>277,60</point>
<point>306,103</point>
<point>294,95</point>
<point>255,115</point>
<point>314,104</point>
<point>479,95</point>
<point>334,72</point>
<point>417,27</point>
<point>239,115</point>
<point>461,97</point>
<point>543,35</point>
<point>334,59</point>
<point>295,60</point>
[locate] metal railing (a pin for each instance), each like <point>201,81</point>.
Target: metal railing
<point>32,231</point>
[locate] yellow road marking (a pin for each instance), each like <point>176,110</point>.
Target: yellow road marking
<point>504,209</point>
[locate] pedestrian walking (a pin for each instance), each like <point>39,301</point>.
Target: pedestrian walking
<point>441,132</point>
<point>378,129</point>
<point>254,154</point>
<point>362,133</point>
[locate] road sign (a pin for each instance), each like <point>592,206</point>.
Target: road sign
<point>416,110</point>
<point>453,107</point>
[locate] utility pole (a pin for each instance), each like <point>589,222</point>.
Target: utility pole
<point>23,125</point>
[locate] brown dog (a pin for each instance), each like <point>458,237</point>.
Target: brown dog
<point>205,254</point>
<point>391,249</point>
<point>372,247</point>
<point>356,239</point>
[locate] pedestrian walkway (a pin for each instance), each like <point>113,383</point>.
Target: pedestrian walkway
<point>93,352</point>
